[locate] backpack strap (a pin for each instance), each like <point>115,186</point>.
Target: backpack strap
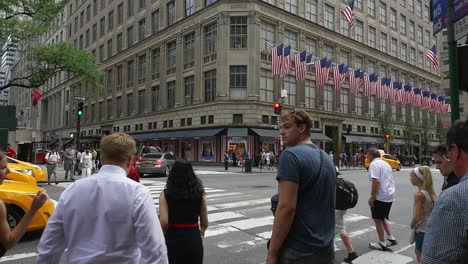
<point>302,186</point>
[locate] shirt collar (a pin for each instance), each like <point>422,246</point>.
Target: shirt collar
<point>112,169</point>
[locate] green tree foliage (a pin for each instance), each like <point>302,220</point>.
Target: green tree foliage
<point>24,21</point>
<point>386,125</point>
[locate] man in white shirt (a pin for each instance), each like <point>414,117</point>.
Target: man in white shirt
<point>86,162</point>
<point>107,218</point>
<point>382,197</point>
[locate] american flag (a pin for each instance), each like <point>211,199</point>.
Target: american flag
<point>447,107</point>
<point>301,65</point>
<point>276,59</point>
<point>433,102</point>
<point>407,94</point>
<point>432,56</point>
<point>339,73</point>
<point>354,81</point>
<point>286,60</point>
<point>380,90</point>
<point>397,92</point>
<point>370,84</point>
<point>426,100</point>
<point>440,105</point>
<point>322,69</point>
<point>417,97</point>
<point>348,13</point>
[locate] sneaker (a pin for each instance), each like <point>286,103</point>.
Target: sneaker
<point>393,242</point>
<point>378,246</point>
<point>351,256</point>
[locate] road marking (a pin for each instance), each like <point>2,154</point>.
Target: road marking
<point>223,216</point>
<point>238,204</point>
<point>354,217</point>
<point>221,195</point>
<point>239,225</point>
<point>404,248</point>
<point>382,257</point>
<point>18,256</point>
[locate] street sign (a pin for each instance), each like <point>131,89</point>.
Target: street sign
<point>439,15</point>
<point>461,28</point>
<point>82,98</point>
<point>461,9</point>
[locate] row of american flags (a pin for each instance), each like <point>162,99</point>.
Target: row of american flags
<point>359,81</point>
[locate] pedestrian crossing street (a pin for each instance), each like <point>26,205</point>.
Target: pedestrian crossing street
<point>243,222</point>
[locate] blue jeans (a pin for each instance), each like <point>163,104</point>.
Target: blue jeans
<point>418,240</point>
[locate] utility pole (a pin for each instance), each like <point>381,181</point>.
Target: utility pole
<point>453,63</point>
<point>79,113</point>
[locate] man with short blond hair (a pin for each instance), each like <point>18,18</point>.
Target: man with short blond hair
<point>307,183</point>
<point>106,218</point>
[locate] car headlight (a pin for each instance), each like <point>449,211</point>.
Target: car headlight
<point>28,172</point>
<point>37,167</point>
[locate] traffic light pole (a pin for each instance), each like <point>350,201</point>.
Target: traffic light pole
<point>453,63</point>
<point>78,127</point>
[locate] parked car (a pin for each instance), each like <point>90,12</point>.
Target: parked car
<point>142,150</point>
<point>19,176</point>
<point>391,160</point>
<point>155,163</point>
<point>18,197</point>
<point>27,168</point>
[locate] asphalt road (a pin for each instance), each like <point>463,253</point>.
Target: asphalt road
<point>240,219</point>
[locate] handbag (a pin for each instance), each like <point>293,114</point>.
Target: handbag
<point>412,236</point>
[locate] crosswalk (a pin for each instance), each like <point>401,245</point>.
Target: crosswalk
<point>243,222</point>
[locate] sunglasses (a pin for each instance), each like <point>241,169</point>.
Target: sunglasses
<point>298,117</point>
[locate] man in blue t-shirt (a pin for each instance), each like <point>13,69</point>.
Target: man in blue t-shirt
<point>304,226</point>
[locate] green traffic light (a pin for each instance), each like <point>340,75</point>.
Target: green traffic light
<point>80,113</point>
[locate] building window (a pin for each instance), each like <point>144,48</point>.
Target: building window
<point>129,37</point>
<point>141,69</point>
<point>383,107</point>
<point>155,98</point>
<point>419,35</point>
<point>94,33</point>
<point>109,48</point>
<point>155,21</point>
<point>210,85</point>
<point>393,47</point>
<point>119,79</point>
<point>266,86</point>
<point>265,119</point>
<point>210,43</point>
<point>209,2</point>
<point>419,8</point>
<point>358,104</point>
<point>211,119</point>
<point>358,4</point>
<point>329,17</point>
<point>109,109</point>
<point>119,42</point>
<point>267,36</point>
<point>344,57</point>
<point>110,21</point>
<point>412,55</point>
<point>420,59</point>
<point>344,26</point>
<point>130,73</point>
<point>371,8</point>
<point>129,8</point>
<point>171,86</point>
<point>87,38</point>
<point>403,24</point>
<point>189,87</point>
<point>189,121</point>
<point>120,14</point>
<point>311,10</point>
<point>290,39</point>
<point>411,5</point>
<point>238,82</point>
<point>238,32</point>
<point>359,31</point>
<point>372,107</point>
<point>203,120</point>
<point>171,57</point>
<point>383,12</point>
<point>182,122</point>
<point>171,12</point>
<point>328,98</point>
<point>101,53</point>
<point>393,22</point>
<point>371,66</point>
<point>371,36</point>
<point>155,63</point>
<point>329,51</point>
<point>394,107</point>
<point>411,30</point>
<point>189,7</point>
<point>383,42</point>
<point>291,6</point>
<point>129,104</point>
<point>101,111</point>
<point>141,101</point>
<point>142,4</point>
<point>102,26</point>
<point>290,86</point>
<point>237,119</point>
<point>141,29</point>
<point>189,51</point>
<point>311,45</point>
<point>310,95</point>
<point>403,52</point>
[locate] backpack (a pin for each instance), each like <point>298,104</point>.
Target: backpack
<point>346,194</point>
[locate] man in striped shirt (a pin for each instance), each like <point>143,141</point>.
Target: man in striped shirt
<point>446,240</point>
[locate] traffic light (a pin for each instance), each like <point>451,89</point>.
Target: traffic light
<point>387,137</point>
<point>80,109</point>
<point>278,108</point>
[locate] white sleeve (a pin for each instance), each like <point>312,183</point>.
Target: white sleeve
<point>149,235</point>
<point>47,155</point>
<point>374,171</point>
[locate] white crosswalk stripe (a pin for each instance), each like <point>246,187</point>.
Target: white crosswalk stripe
<point>241,222</point>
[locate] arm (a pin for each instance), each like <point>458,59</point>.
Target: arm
<point>419,200</point>
<point>375,188</point>
<point>148,233</point>
<point>203,217</point>
<point>163,212</point>
<point>284,216</point>
<point>9,238</point>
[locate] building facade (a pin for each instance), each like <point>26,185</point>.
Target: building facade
<point>9,56</point>
<point>194,76</point>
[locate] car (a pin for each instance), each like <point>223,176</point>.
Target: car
<point>155,163</point>
<point>27,168</point>
<point>142,150</point>
<point>18,197</point>
<point>391,160</point>
<point>19,176</point>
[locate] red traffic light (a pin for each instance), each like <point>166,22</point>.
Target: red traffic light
<point>277,105</point>
<point>387,136</point>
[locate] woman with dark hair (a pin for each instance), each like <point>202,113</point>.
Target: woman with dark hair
<point>182,205</point>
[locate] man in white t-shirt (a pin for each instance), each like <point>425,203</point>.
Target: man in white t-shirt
<point>52,158</point>
<point>86,163</point>
<point>382,197</point>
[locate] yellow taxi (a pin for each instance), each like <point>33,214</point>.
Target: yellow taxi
<point>392,161</point>
<point>18,197</point>
<point>25,168</point>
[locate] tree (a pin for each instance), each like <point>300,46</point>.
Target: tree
<point>410,132</point>
<point>386,125</point>
<point>441,131</point>
<point>22,22</point>
<point>425,127</point>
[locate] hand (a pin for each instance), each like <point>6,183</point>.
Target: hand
<point>371,201</point>
<point>412,226</point>
<point>39,200</point>
<point>272,259</point>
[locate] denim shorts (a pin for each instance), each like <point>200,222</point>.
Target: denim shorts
<point>419,239</point>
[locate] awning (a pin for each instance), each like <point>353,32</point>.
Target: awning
<point>178,134</point>
<point>237,132</point>
<point>362,139</point>
<point>398,142</point>
<point>319,137</point>
<point>53,142</point>
<point>269,133</point>
<point>433,144</point>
